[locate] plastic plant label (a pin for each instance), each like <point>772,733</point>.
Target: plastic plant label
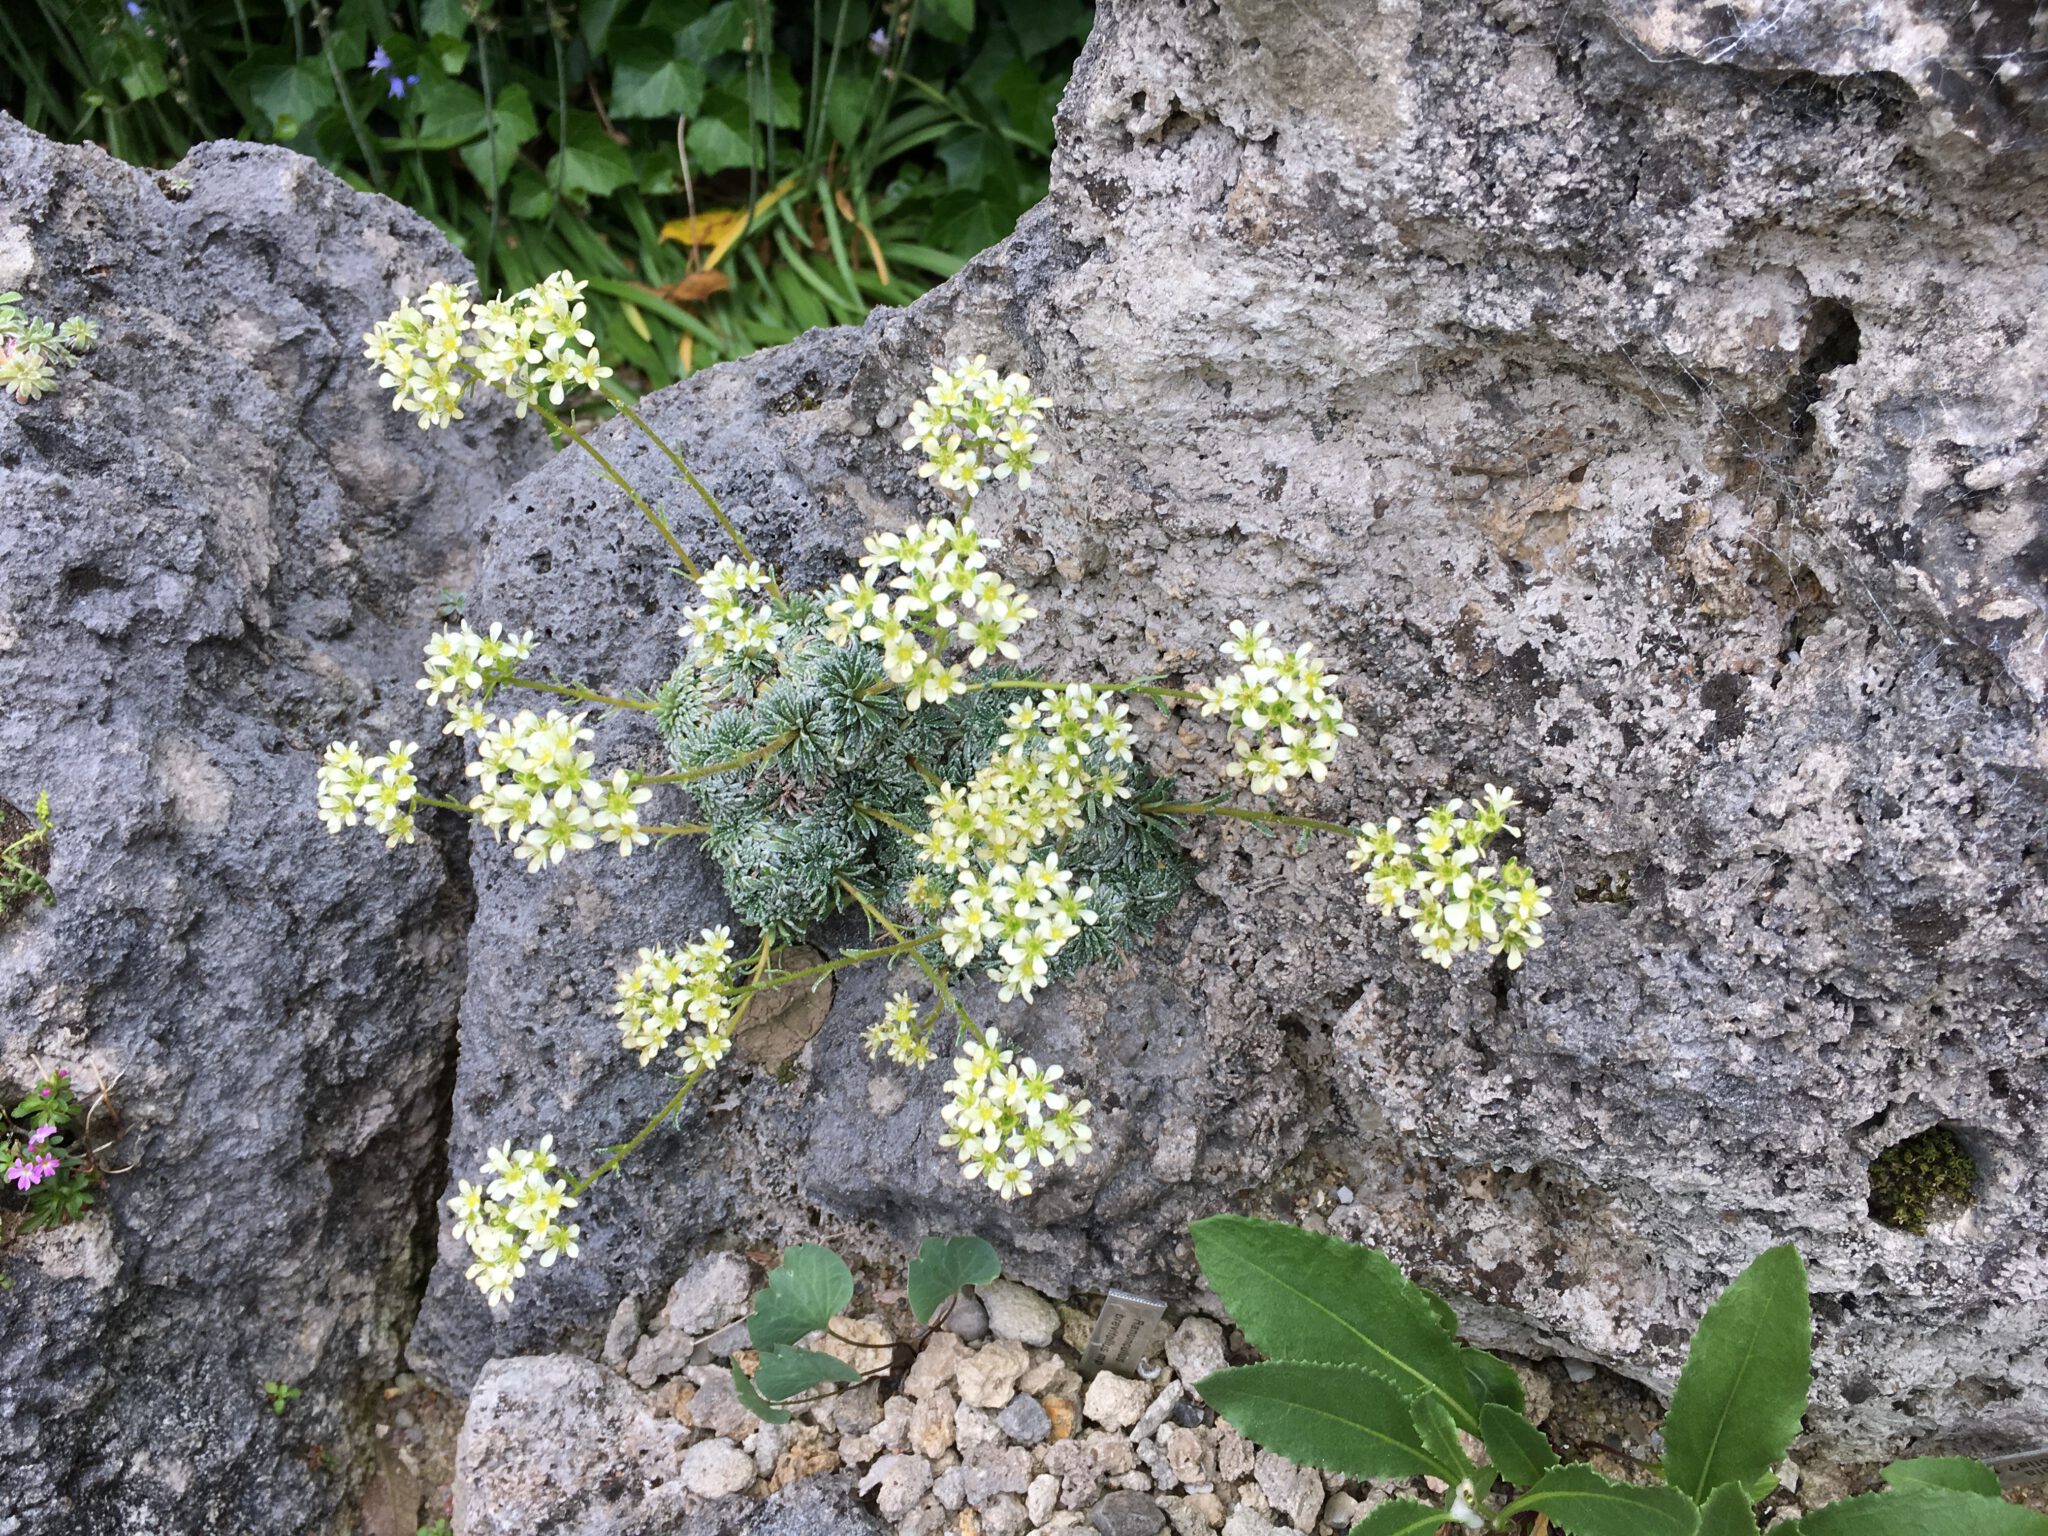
<point>2020,1467</point>
<point>1128,1332</point>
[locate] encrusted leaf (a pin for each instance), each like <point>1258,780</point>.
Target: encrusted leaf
<point>942,1266</point>
<point>1580,1501</point>
<point>1520,1451</point>
<point>1340,1417</point>
<point>1303,1297</point>
<point>1743,1389</point>
<point>810,1287</point>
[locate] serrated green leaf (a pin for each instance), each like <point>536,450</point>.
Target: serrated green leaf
<point>1520,1451</point>
<point>1918,1512</point>
<point>1340,1417</point>
<point>1580,1501</point>
<point>942,1266</point>
<point>1493,1379</point>
<point>808,1289</point>
<point>786,1371</point>
<point>1401,1517</point>
<point>1961,1473</point>
<point>1300,1296</point>
<point>1743,1389</point>
<point>1728,1513</point>
<point>1438,1432</point>
<point>1441,1310</point>
<point>754,1402</point>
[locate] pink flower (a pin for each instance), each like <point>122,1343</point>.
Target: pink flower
<point>41,1134</point>
<point>24,1175</point>
<point>44,1166</point>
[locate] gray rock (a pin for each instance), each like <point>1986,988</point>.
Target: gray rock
<point>950,1489</point>
<point>1128,1514</point>
<point>1042,1497</point>
<point>1025,1420</point>
<point>1247,1521</point>
<point>1005,1515</point>
<point>1191,1456</point>
<point>1643,419</point>
<point>219,549</point>
<point>817,1506</point>
<point>1159,1410</point>
<point>995,1470</point>
<point>898,1483</point>
<point>966,1318</point>
<point>1116,1402</point>
<point>1293,1490</point>
<point>713,1292</point>
<point>658,1355</point>
<point>622,1334</point>
<point>722,1345</point>
<point>714,1405</point>
<point>556,1442</point>
<point>988,1377</point>
<point>712,1469</point>
<point>1196,1350</point>
<point>1019,1313</point>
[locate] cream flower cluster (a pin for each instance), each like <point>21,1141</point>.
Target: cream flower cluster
<point>515,1217</point>
<point>531,345</point>
<point>942,593</point>
<point>899,1033</point>
<point>666,993</point>
<point>535,786</point>
<point>1007,1115</point>
<point>1010,900</point>
<point>727,625</point>
<point>973,426</point>
<point>378,789</point>
<point>1456,901</point>
<point>1283,719</point>
<point>465,667</point>
<point>32,351</point>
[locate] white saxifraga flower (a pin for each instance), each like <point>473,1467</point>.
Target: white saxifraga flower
<point>726,626</point>
<point>379,790</point>
<point>536,786</point>
<point>514,1217</point>
<point>941,592</point>
<point>1008,1117</point>
<point>530,346</point>
<point>1284,721</point>
<point>900,1033</point>
<point>1456,901</point>
<point>464,667</point>
<point>973,426</point>
<point>668,992</point>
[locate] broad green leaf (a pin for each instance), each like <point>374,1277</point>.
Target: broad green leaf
<point>1341,1417</point>
<point>595,18</point>
<point>513,114</point>
<point>1728,1513</point>
<point>725,28</point>
<point>1438,1432</point>
<point>754,1402</point>
<point>785,1371</point>
<point>1447,1319</point>
<point>1401,1517</point>
<point>1918,1512</point>
<point>292,92</point>
<point>1520,1451</point>
<point>649,80</point>
<point>589,163</point>
<point>717,145</point>
<point>444,18</point>
<point>942,1266</point>
<point>1958,1472</point>
<point>1743,1389</point>
<point>1580,1501</point>
<point>1493,1379</point>
<point>808,1289</point>
<point>950,20</point>
<point>1300,1296</point>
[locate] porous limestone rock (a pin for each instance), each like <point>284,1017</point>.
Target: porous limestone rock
<point>219,548</point>
<point>1642,411</point>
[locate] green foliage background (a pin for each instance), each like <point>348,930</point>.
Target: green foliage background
<point>543,134</point>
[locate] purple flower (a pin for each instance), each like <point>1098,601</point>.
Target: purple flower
<point>23,1175</point>
<point>399,83</point>
<point>40,1134</point>
<point>379,61</point>
<point>134,10</point>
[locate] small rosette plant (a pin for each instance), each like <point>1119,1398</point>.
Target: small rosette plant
<point>33,352</point>
<point>873,749</point>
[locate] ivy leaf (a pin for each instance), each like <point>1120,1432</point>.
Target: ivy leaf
<point>1580,1501</point>
<point>808,1289</point>
<point>1300,1296</point>
<point>1960,1473</point>
<point>1401,1517</point>
<point>942,1266</point>
<point>649,80</point>
<point>1518,1449</point>
<point>717,145</point>
<point>754,1402</point>
<point>292,93</point>
<point>444,18</point>
<point>785,1371</point>
<point>1743,1389</point>
<point>1340,1417</point>
<point>1728,1513</point>
<point>589,163</point>
<point>1918,1512</point>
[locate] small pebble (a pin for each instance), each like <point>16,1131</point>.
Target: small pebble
<point>1025,1420</point>
<point>1128,1514</point>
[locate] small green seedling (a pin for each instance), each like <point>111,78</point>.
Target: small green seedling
<point>280,1395</point>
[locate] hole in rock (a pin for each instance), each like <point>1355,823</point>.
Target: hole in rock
<point>1925,1178</point>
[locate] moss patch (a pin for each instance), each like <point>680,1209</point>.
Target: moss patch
<point>1924,1178</point>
